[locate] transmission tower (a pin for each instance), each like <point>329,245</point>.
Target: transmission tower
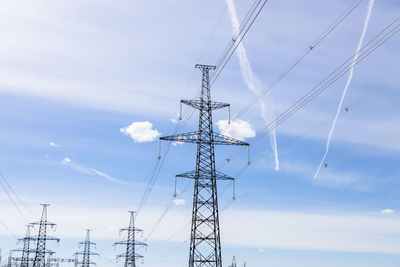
<point>130,254</point>
<point>233,262</point>
<point>25,250</point>
<point>41,239</point>
<point>205,244</point>
<point>86,253</point>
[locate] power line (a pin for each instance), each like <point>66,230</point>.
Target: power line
<point>364,52</point>
<point>187,114</point>
<point>2,183</point>
<point>308,50</point>
<point>14,193</point>
<point>226,55</point>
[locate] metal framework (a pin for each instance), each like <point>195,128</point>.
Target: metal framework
<point>86,253</point>
<point>41,239</point>
<point>233,262</point>
<point>205,244</point>
<point>130,254</point>
<point>24,260</point>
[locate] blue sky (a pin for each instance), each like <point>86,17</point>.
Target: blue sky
<point>73,74</point>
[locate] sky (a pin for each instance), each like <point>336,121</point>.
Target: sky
<point>87,87</point>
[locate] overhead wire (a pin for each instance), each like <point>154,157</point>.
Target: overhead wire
<point>3,183</point>
<point>225,58</point>
<point>244,28</point>
<point>353,105</point>
<point>307,51</point>
<point>365,51</point>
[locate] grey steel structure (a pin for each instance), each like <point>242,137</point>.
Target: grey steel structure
<point>205,244</point>
<point>233,262</point>
<point>24,260</point>
<point>130,254</point>
<point>41,239</point>
<point>86,253</point>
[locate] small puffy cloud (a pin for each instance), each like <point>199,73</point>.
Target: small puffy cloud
<point>141,131</point>
<point>173,120</point>
<point>66,161</point>
<point>52,144</point>
<point>238,129</point>
<point>179,202</point>
<point>260,250</point>
<point>387,211</point>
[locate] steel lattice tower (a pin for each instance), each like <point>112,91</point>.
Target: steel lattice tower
<point>205,244</point>
<point>130,255</point>
<point>26,250</point>
<point>42,238</point>
<point>233,262</point>
<point>86,253</point>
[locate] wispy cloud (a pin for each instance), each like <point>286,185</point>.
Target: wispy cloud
<point>330,177</point>
<point>350,78</point>
<point>91,171</point>
<point>253,83</point>
<point>141,131</point>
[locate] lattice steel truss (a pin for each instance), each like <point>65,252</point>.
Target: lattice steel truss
<point>86,253</point>
<point>42,238</point>
<point>24,260</point>
<point>130,254</point>
<point>205,244</point>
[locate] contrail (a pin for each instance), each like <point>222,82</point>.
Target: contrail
<point>91,171</point>
<point>252,82</point>
<point>328,142</point>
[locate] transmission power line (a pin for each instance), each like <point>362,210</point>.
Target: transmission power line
<point>223,58</point>
<point>221,62</point>
<point>86,253</point>
<point>205,246</point>
<point>42,238</point>
<point>307,51</point>
<point>130,243</point>
<point>364,52</point>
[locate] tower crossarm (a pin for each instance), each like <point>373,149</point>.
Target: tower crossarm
<point>60,260</point>
<point>130,229</point>
<point>195,137</point>
<point>123,255</point>
<point>47,238</point>
<point>125,242</point>
<point>86,253</point>
<point>198,104</point>
<point>44,223</point>
<point>204,175</point>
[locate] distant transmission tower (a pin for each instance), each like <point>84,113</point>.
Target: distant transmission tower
<point>86,253</point>
<point>42,238</point>
<point>24,260</point>
<point>130,255</point>
<point>233,262</point>
<point>205,244</point>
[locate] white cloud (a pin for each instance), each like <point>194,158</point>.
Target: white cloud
<point>260,250</point>
<point>173,120</point>
<point>238,129</point>
<point>90,171</point>
<point>387,211</point>
<point>66,160</point>
<point>52,144</point>
<point>141,131</point>
<point>179,202</point>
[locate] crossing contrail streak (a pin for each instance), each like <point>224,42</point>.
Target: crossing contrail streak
<point>328,142</point>
<point>252,82</point>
